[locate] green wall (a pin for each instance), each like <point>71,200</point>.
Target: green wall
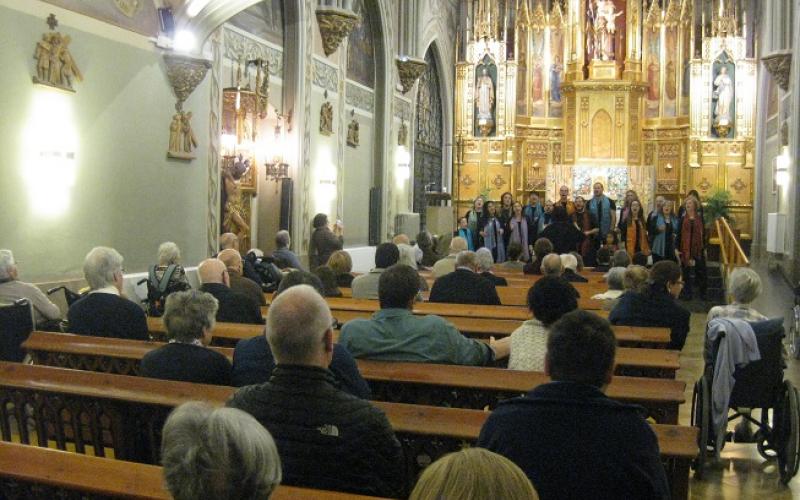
<point>126,193</point>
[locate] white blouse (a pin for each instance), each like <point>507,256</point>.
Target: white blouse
<point>528,346</point>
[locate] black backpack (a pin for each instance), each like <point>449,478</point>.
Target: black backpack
<point>270,274</point>
<point>158,290</point>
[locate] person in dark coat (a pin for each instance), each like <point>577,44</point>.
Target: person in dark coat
<point>231,241</point>
<point>327,439</point>
<point>239,284</point>
<point>189,319</point>
<point>464,285</point>
<point>233,307</point>
<point>562,233</point>
<point>542,247</point>
<point>104,312</point>
<point>485,264</point>
<point>570,439</point>
<point>323,241</point>
<point>657,305</point>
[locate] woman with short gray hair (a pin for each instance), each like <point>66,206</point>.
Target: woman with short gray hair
<point>615,278</point>
<point>169,267</point>
<point>220,453</point>
<point>189,319</point>
<point>744,286</point>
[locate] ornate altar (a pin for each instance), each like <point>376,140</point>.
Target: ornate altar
<point>657,96</point>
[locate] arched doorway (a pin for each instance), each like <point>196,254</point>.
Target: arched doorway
<point>428,139</point>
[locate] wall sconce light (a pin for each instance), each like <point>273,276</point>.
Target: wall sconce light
<point>277,168</point>
<point>782,163</point>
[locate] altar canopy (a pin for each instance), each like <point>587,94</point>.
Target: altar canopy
<point>657,96</point>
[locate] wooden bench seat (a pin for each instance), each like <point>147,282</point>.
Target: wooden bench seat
<point>125,414</point>
<point>415,383</point>
<point>34,472</point>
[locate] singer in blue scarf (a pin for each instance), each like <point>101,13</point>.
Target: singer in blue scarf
<point>604,211</point>
<point>465,232</point>
<point>663,247</point>
<point>493,234</point>
<point>532,212</point>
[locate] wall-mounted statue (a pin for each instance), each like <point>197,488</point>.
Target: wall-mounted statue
<point>233,220</point>
<point>55,66</point>
<point>182,141</point>
<point>326,119</point>
<point>352,132</point>
<point>723,72</point>
<point>485,78</point>
<point>602,29</point>
<point>402,135</point>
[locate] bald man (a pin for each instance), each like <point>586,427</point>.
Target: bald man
<point>233,307</point>
<point>238,283</point>
<point>552,265</point>
<point>564,201</point>
<point>327,438</point>
<point>231,241</point>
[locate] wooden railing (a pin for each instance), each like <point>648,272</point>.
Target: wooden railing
<point>731,253</point>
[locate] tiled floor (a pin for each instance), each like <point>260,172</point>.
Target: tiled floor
<point>741,473</point>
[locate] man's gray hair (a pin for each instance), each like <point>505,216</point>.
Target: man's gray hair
<point>744,285</point>
<point>218,453</point>
<point>467,258</point>
<point>568,261</point>
<point>296,323</point>
<point>168,254</point>
<point>187,313</point>
<point>485,259</point>
<point>616,278</point>
<point>620,259</point>
<point>100,265</point>
<point>7,263</point>
<point>551,265</point>
<point>282,239</point>
<point>457,244</point>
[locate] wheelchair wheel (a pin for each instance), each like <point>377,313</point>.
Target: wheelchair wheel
<point>701,406</point>
<point>787,427</point>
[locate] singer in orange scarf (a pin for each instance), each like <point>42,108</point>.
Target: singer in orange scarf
<point>635,231</point>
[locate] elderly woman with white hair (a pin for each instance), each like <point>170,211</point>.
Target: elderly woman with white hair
<point>615,279</point>
<point>45,313</point>
<point>570,263</point>
<point>744,286</point>
<point>220,453</point>
<point>169,264</point>
<point>485,263</point>
<point>104,312</point>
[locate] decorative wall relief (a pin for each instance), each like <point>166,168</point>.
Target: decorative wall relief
<point>326,117</point>
<point>334,25</point>
<point>55,66</point>
<point>352,131</point>
<point>185,74</point>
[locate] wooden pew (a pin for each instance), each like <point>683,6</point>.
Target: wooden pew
<point>33,472</point>
<point>415,383</point>
<point>126,414</point>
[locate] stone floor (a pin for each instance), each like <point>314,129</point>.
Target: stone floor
<point>741,473</point>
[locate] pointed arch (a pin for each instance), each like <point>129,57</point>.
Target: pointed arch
<point>602,142</point>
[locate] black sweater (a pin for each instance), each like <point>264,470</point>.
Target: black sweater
<point>107,315</point>
<point>187,363</point>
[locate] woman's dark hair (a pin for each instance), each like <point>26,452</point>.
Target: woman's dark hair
<point>298,277</point>
<point>397,286</point>
<point>320,220</point>
<point>693,192</point>
<point>550,298</point>
<point>663,273</point>
<point>328,278</point>
<point>603,256</point>
<point>504,195</point>
<point>542,247</point>
<point>581,348</point>
<point>639,259</point>
<point>514,251</point>
<point>424,239</point>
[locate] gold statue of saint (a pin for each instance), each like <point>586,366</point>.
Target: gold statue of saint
<point>233,219</point>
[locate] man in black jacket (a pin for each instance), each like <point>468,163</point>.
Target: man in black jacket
<point>464,285</point>
<point>233,307</point>
<point>569,438</point>
<point>327,438</point>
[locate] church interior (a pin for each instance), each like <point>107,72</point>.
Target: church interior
<point>130,123</point>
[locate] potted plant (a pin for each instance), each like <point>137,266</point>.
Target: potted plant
<point>717,206</point>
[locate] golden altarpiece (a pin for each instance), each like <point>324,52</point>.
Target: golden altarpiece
<point>657,96</point>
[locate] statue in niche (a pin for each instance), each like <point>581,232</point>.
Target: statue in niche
<point>233,218</point>
<point>182,141</point>
<point>723,94</point>
<point>326,119</point>
<point>54,63</point>
<point>603,27</point>
<point>485,96</point>
<point>352,132</point>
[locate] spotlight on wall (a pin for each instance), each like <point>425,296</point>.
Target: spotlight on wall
<point>782,164</point>
<point>184,41</point>
<point>403,158</point>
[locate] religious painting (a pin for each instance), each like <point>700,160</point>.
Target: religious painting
<point>686,74</point>
<point>652,69</point>
<point>263,20</point>
<point>360,48</point>
<point>522,73</point>
<point>537,87</point>
<point>614,179</point>
<point>671,71</point>
<point>485,97</point>
<point>139,16</point>
<point>556,70</point>
<point>605,30</point>
<point>723,105</point>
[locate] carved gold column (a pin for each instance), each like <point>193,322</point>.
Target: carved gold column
<point>633,58</point>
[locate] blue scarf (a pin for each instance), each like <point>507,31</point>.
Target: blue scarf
<point>604,218</point>
<point>533,213</point>
<point>660,241</point>
<point>494,241</point>
<point>467,235</point>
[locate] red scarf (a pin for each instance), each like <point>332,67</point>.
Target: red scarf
<point>691,239</point>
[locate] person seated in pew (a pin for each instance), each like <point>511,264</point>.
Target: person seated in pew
<point>615,279</point>
<point>105,311</point>
<point>285,258</point>
<point>427,248</point>
<point>394,333</point>
<point>548,300</point>
<point>45,313</point>
<point>189,319</point>
<point>620,258</point>
<point>231,241</point>
<point>513,256</point>
<point>541,248</point>
<point>635,278</point>
<point>366,285</point>
<point>328,279</point>
<point>570,265</point>
<point>447,264</point>
<point>603,260</point>
<point>253,361</point>
<point>327,438</point>
<point>464,285</point>
<point>639,259</point>
<point>239,284</point>
<point>219,453</point>
<point>233,307</point>
<point>485,264</point>
<point>170,255</point>
<point>657,305</point>
<point>473,474</point>
<point>341,264</point>
<point>407,259</point>
<point>552,265</point>
<point>570,439</point>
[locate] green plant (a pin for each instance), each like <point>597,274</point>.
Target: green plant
<point>717,206</point>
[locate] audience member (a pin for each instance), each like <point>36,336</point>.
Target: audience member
<point>656,306</point>
<point>473,474</point>
<point>541,248</point>
<point>429,254</point>
<point>639,259</point>
<point>328,279</point>
<point>170,255</point>
<point>635,278</point>
<point>45,313</point>
<point>579,260</point>
<point>464,285</point>
<point>366,285</point>
<point>189,318</point>
<point>238,283</point>
<point>230,240</point>
<point>603,260</point>
<point>323,241</point>
<point>744,286</point>
<point>341,264</point>
<point>233,307</point>
<point>394,333</point>
<point>513,255</point>
<point>485,264</point>
<point>614,454</point>
<point>104,311</point>
<point>570,265</point>
<point>253,361</point>
<point>401,239</point>
<point>552,265</point>
<point>620,258</point>
<point>219,453</point>
<point>327,438</point>
<point>448,264</point>
<point>284,257</point>
<point>548,299</point>
<point>615,279</point>
<point>562,233</point>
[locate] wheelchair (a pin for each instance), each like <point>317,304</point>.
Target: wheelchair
<point>758,385</point>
